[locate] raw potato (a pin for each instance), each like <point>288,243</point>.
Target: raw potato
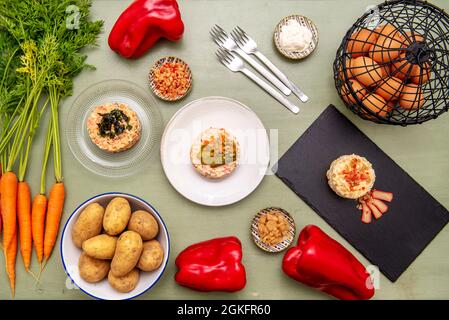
<point>126,283</point>
<point>89,224</point>
<point>116,216</point>
<point>127,253</point>
<point>144,224</point>
<point>92,270</point>
<point>152,256</point>
<point>100,247</point>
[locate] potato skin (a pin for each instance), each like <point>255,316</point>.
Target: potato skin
<point>100,247</point>
<point>92,270</point>
<point>151,257</point>
<point>116,216</point>
<point>144,224</point>
<point>127,253</point>
<point>125,283</point>
<point>89,224</point>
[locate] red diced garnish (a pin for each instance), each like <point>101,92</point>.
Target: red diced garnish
<point>382,195</point>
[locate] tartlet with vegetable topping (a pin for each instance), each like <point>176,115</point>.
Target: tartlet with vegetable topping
<point>114,127</point>
<point>351,176</point>
<point>214,153</point>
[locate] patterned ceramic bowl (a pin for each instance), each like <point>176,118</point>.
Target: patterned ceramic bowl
<point>303,21</point>
<point>288,238</point>
<point>154,86</point>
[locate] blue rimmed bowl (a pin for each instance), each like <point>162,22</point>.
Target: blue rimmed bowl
<point>102,290</point>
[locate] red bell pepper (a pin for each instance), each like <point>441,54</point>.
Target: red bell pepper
<point>322,263</point>
<point>142,24</point>
<point>212,265</point>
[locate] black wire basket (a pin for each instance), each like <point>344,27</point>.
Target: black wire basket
<point>392,66</point>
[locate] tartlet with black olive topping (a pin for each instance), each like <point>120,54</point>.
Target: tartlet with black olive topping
<point>114,127</point>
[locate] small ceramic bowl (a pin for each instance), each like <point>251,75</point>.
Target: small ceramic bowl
<point>102,290</point>
<point>157,65</point>
<point>304,21</point>
<point>288,239</point>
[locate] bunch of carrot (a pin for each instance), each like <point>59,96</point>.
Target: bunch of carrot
<point>40,56</point>
<point>38,222</point>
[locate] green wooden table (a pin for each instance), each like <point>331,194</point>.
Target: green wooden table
<point>423,151</point>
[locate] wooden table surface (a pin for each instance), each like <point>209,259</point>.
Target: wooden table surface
<point>423,151</point>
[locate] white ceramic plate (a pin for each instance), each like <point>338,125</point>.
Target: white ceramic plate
<point>102,290</point>
<point>185,126</point>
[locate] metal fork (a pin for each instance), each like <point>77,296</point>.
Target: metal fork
<point>235,64</point>
<point>249,46</point>
<point>224,40</point>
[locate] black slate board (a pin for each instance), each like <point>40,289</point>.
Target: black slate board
<point>392,242</point>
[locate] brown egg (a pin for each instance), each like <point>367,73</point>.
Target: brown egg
<point>411,37</point>
<point>386,49</point>
<point>412,97</point>
<point>405,70</point>
<point>392,104</point>
<point>360,42</point>
<point>376,103</point>
<point>366,71</point>
<point>358,88</point>
<point>387,30</point>
<point>386,69</point>
<point>390,88</point>
<point>348,72</point>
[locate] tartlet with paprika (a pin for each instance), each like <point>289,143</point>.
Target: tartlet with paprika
<point>351,176</point>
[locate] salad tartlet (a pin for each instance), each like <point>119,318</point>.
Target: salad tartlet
<point>214,153</point>
<point>351,176</point>
<point>114,127</point>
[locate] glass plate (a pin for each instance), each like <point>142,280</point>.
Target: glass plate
<point>101,162</point>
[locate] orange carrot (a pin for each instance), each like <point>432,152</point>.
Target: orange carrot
<point>10,257</point>
<point>1,222</point>
<point>54,214</point>
<point>8,190</point>
<point>24,217</point>
<point>38,213</point>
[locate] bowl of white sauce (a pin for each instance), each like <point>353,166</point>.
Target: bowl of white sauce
<point>296,37</point>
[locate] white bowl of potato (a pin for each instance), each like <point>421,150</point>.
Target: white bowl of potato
<point>115,246</point>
